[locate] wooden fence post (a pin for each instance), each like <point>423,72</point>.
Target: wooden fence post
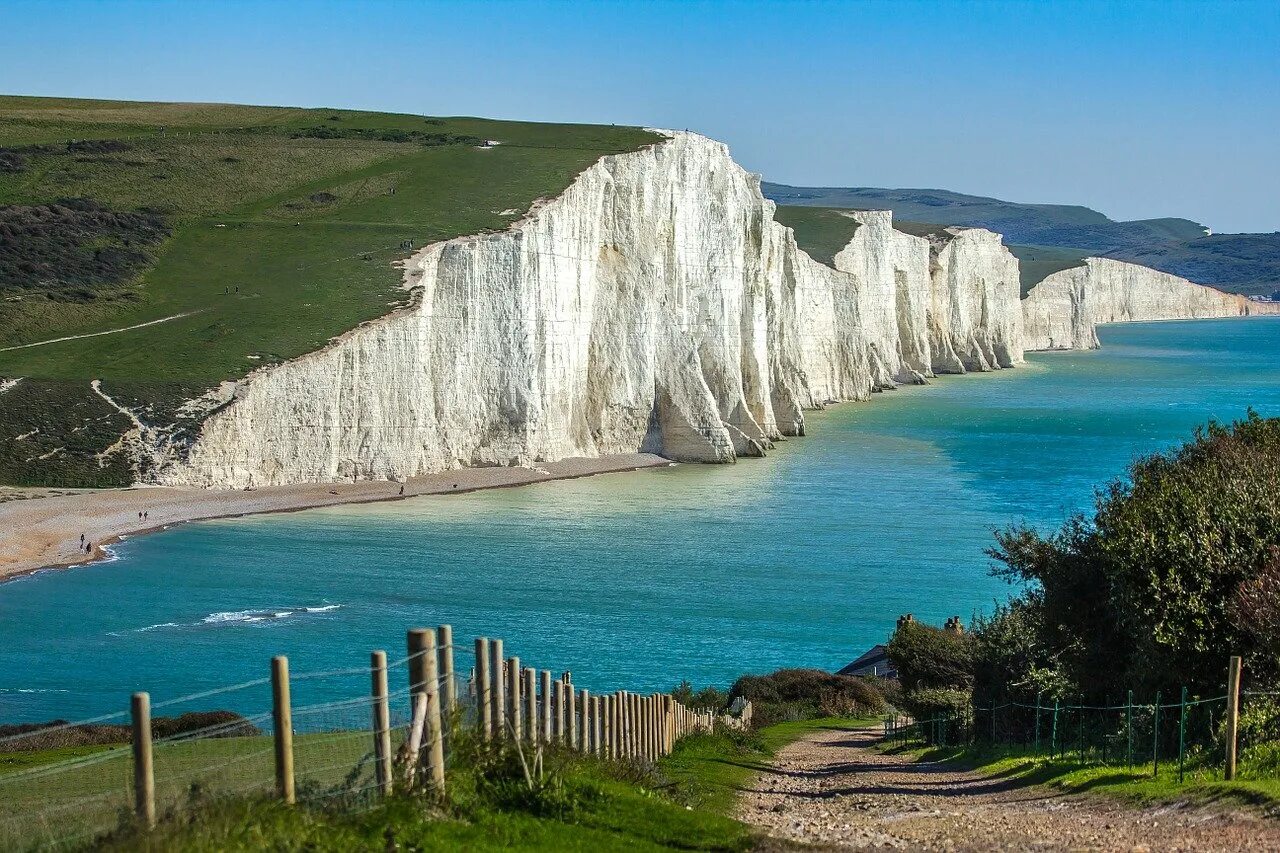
<point>1233,715</point>
<point>571,715</point>
<point>282,721</point>
<point>606,726</point>
<point>633,724</point>
<point>584,730</point>
<point>416,644</point>
<point>436,721</point>
<point>624,724</point>
<point>381,721</point>
<point>498,690</point>
<point>144,779</point>
<point>557,711</point>
<point>531,703</point>
<point>513,699</point>
<point>484,711</point>
<point>669,727</point>
<point>544,735</point>
<point>445,651</point>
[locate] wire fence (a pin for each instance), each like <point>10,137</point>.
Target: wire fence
<point>1197,738</point>
<point>67,784</point>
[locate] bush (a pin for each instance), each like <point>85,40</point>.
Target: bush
<point>75,247</point>
<point>928,657</point>
<point>798,694</point>
<point>49,736</point>
<point>1155,590</point>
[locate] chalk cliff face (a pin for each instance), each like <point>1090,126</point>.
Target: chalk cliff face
<point>1063,311</point>
<point>947,304</point>
<point>654,306</point>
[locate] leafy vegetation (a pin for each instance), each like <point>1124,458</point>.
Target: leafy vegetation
<point>1176,570</point>
<point>790,695</point>
<point>242,235</point>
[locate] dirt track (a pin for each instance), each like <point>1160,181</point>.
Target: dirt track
<point>832,791</point>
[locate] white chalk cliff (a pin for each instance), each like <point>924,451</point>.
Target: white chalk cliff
<point>655,305</point>
<point>1064,310</point>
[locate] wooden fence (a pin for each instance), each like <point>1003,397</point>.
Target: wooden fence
<point>501,701</point>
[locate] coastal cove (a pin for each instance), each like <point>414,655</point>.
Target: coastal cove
<point>803,558</point>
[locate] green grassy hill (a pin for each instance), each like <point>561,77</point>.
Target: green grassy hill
<point>821,232</point>
<point>1050,237</point>
<point>232,236</point>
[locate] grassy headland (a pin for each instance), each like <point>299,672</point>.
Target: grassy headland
<point>243,235</point>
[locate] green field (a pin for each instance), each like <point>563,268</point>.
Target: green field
<point>1036,263</point>
<point>280,230</point>
<point>821,232</point>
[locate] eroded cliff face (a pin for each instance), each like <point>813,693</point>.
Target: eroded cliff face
<point>654,306</point>
<point>1064,310</point>
<point>946,304</point>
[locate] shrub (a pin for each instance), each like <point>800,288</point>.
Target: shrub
<point>74,247</point>
<point>928,657</point>
<point>1174,570</point>
<point>51,736</point>
<point>797,694</point>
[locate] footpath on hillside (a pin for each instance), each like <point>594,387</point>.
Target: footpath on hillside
<point>833,790</point>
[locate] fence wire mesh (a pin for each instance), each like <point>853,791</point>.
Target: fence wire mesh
<point>67,784</point>
<point>1186,737</point>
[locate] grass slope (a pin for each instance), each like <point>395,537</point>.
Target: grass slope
<point>285,226</point>
<point>1036,263</point>
<point>1136,785</point>
<point>821,232</point>
<point>685,802</point>
<point>1243,263</point>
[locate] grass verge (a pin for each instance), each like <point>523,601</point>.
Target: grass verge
<point>685,801</point>
<point>1139,785</point>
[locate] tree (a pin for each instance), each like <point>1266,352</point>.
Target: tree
<point>1142,595</point>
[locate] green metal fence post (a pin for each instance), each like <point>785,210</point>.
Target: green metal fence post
<point>1128,726</point>
<point>1038,698</point>
<point>1182,734</point>
<point>1155,738</point>
<point>1106,708</point>
<point>1053,748</point>
<point>1080,737</point>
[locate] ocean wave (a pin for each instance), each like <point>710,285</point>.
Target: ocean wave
<point>237,617</point>
<point>33,690</point>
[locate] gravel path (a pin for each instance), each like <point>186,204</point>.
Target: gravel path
<point>832,791</point>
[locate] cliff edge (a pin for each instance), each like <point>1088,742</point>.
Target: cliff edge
<point>1064,310</point>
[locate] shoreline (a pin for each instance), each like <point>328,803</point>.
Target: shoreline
<point>43,533</point>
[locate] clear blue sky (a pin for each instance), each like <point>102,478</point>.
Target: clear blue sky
<point>1137,109</point>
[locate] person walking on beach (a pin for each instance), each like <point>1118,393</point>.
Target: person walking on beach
<point>81,538</point>
<point>402,490</point>
<point>146,516</point>
<point>139,515</point>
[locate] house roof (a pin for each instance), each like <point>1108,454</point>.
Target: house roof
<point>874,661</point>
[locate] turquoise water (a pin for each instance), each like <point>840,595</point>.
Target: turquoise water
<point>639,580</point>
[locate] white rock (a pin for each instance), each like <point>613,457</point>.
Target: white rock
<point>655,305</point>
<point>1064,310</point>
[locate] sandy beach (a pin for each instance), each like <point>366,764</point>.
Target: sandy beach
<point>43,530</point>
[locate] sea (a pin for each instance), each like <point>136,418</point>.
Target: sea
<point>639,580</point>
